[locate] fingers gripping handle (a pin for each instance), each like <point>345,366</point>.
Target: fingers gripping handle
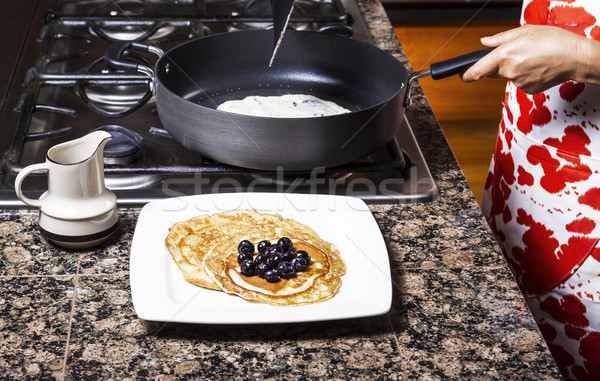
<point>457,65</point>
<point>21,177</point>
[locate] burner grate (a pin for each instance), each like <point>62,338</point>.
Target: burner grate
<point>206,10</point>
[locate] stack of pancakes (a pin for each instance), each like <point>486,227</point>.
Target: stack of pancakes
<point>205,249</point>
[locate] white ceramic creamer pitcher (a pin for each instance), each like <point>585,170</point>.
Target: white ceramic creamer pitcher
<point>77,210</point>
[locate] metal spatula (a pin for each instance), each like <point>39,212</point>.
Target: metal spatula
<point>282,10</point>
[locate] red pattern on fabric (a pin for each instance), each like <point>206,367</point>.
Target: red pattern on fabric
<point>574,332</point>
<point>596,254</point>
<point>506,191</point>
<point>568,309</point>
<point>537,12</point>
<point>582,226</point>
<point>591,198</point>
<point>580,374</point>
<point>589,349</point>
<point>562,358</point>
<point>540,115</point>
<point>555,176</point>
<point>488,181</point>
<point>525,106</point>
<point>547,331</point>
<point>574,19</point>
<point>509,114</point>
<point>538,242</point>
<point>570,254</point>
<point>532,113</point>
<point>574,141</point>
<point>509,138</point>
<point>506,215</point>
<point>506,161</point>
<point>570,90</point>
<point>595,33</point>
<point>525,178</point>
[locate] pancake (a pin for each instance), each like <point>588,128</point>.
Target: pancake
<point>188,241</point>
<point>320,281</point>
<point>283,106</point>
<point>205,249</point>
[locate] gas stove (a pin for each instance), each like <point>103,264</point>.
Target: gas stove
<point>68,92</point>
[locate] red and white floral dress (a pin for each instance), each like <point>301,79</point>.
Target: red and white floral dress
<point>542,198</point>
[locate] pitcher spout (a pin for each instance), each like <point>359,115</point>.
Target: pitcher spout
<point>79,150</point>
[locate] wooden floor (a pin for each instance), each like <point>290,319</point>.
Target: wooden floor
<point>469,113</point>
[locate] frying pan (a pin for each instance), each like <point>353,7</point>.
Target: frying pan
<point>192,79</point>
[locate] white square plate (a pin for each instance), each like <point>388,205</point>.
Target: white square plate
<point>160,293</point>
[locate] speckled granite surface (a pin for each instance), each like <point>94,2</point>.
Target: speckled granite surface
<point>456,311</point>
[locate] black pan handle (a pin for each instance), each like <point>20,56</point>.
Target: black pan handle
<point>114,56</point>
<point>444,69</point>
<point>457,65</point>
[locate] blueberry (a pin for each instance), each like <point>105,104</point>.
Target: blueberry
<point>246,247</point>
<point>299,264</point>
<point>260,258</point>
<point>303,254</point>
<point>271,276</point>
<point>261,269</point>
<point>247,268</point>
<point>271,249</point>
<point>262,246</point>
<point>288,255</point>
<point>243,257</point>
<point>285,269</point>
<point>285,244</point>
<point>274,259</point>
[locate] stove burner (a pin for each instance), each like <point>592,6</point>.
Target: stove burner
<point>222,2</point>
<point>252,25</point>
<point>114,100</point>
<point>126,150</point>
<point>126,8</point>
<point>204,10</point>
<point>124,147</point>
<point>258,13</point>
<point>303,9</point>
<point>263,7</point>
<point>113,32</point>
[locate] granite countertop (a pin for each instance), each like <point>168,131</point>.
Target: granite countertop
<point>456,310</point>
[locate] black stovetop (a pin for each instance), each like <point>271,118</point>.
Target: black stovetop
<point>68,91</point>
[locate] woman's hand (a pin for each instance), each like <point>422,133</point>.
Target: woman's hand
<point>536,58</point>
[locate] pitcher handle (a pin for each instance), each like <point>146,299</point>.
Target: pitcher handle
<point>21,177</point>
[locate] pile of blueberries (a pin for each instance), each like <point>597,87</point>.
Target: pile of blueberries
<point>273,261</point>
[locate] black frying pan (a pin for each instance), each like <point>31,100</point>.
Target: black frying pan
<point>192,79</point>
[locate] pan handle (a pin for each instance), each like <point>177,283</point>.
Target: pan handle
<point>114,56</point>
<point>457,65</point>
<point>447,68</point>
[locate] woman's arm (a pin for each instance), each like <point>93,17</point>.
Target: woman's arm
<point>536,58</point>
